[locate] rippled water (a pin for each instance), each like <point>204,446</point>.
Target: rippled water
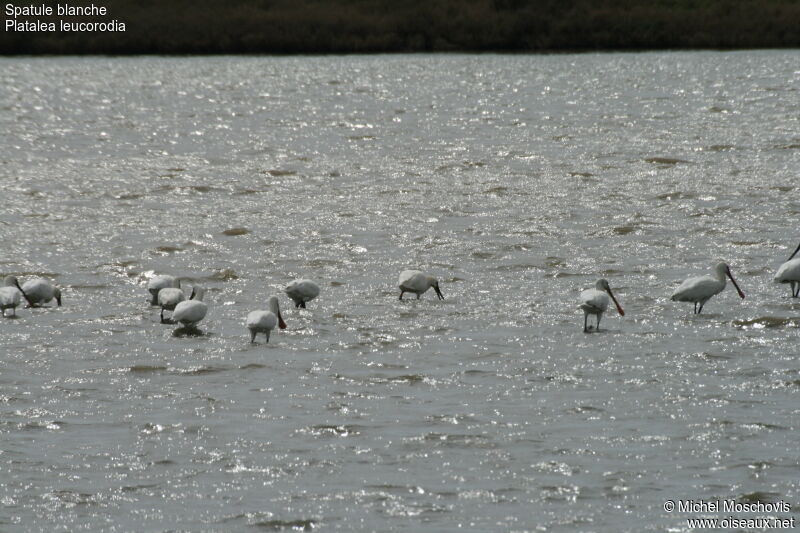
<point>516,180</point>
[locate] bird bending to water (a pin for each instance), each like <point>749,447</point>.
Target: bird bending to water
<point>40,291</point>
<point>191,311</point>
<point>169,298</point>
<point>302,291</point>
<point>417,282</point>
<point>10,295</point>
<point>789,272</point>
<point>700,289</point>
<point>595,302</point>
<point>156,283</point>
<point>265,321</point>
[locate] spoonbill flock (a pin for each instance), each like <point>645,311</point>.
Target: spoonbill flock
<point>166,293</point>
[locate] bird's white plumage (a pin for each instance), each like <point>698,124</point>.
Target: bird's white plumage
<point>417,282</point>
<point>261,321</point>
<point>40,291</point>
<point>594,300</point>
<point>190,312</point>
<point>302,291</point>
<point>264,321</point>
<point>788,272</point>
<point>169,297</point>
<point>10,296</point>
<point>156,283</point>
<point>700,289</point>
<point>414,281</point>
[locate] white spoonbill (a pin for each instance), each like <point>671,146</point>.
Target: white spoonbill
<point>156,283</point>
<point>265,321</point>
<point>789,272</point>
<point>302,291</point>
<point>168,299</point>
<point>595,302</point>
<point>10,295</point>
<point>191,311</point>
<point>39,291</point>
<point>417,282</point>
<point>700,289</point>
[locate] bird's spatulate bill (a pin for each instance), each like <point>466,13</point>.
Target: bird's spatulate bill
<point>619,307</point>
<point>741,294</point>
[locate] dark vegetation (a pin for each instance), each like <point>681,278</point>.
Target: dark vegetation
<point>355,26</point>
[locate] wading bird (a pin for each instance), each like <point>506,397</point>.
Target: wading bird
<point>191,311</point>
<point>265,321</point>
<point>39,291</point>
<point>302,291</point>
<point>156,283</point>
<point>168,299</point>
<point>10,295</point>
<point>417,282</point>
<point>789,272</point>
<point>595,302</point>
<point>700,289</point>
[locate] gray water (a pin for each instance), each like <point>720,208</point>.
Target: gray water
<point>516,180</point>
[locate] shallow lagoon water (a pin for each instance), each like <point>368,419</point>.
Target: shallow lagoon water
<point>517,180</point>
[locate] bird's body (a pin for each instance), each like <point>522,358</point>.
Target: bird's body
<point>595,302</point>
<point>700,289</point>
<point>169,298</point>
<point>417,282</point>
<point>302,291</point>
<point>10,295</point>
<point>156,283</point>
<point>789,272</point>
<point>40,291</point>
<point>190,312</point>
<point>265,321</point>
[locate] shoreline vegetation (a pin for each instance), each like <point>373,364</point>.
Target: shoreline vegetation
<point>380,26</point>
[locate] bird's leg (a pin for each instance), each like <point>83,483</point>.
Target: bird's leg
<point>701,308</point>
<point>695,308</point>
<point>267,334</point>
<point>585,322</point>
<point>252,336</point>
<point>418,295</point>
<point>795,293</point>
<point>598,321</point>
<point>162,316</point>
<point>296,305</point>
<point>302,305</point>
<point>401,294</point>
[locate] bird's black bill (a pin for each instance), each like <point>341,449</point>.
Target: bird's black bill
<point>619,307</point>
<point>741,294</point>
<point>794,253</point>
<point>30,303</point>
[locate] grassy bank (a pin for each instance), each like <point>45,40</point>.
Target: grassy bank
<point>355,26</point>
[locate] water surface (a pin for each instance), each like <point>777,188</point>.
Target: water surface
<point>516,180</point>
